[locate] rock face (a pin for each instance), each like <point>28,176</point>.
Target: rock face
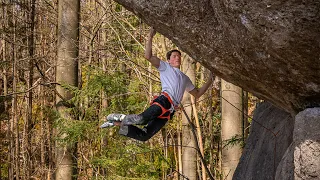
<point>285,168</point>
<point>270,136</point>
<point>297,154</point>
<point>306,140</point>
<point>269,48</point>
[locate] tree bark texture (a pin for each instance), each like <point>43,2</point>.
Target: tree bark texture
<point>66,73</point>
<point>231,126</point>
<point>200,143</point>
<point>15,143</point>
<point>28,124</point>
<point>189,153</point>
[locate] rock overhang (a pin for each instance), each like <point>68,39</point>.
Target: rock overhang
<point>270,48</point>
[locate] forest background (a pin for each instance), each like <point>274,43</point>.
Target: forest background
<point>112,76</point>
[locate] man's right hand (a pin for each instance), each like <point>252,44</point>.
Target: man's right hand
<point>154,60</point>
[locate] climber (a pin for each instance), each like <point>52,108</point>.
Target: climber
<point>173,82</point>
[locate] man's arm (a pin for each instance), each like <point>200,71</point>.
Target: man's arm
<point>198,92</point>
<point>155,61</point>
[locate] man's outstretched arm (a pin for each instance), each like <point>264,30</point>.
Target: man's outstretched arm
<point>154,60</point>
<point>198,92</point>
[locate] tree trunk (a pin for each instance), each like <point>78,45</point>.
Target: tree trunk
<point>189,153</point>
<point>66,73</point>
<point>28,121</point>
<point>231,126</point>
<point>14,123</point>
<point>42,131</point>
<point>203,171</point>
<point>179,144</point>
<point>104,103</point>
<point>5,103</point>
<point>50,148</point>
<point>245,116</point>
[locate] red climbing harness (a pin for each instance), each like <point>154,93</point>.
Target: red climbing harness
<point>165,114</point>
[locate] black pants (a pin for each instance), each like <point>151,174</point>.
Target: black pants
<point>148,118</point>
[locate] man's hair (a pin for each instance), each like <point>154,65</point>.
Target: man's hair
<point>170,52</point>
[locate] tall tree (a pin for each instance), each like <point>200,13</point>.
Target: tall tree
<point>189,153</point>
<point>231,127</point>
<point>28,123</point>
<point>14,122</point>
<point>66,73</point>
<point>5,91</point>
<point>199,134</point>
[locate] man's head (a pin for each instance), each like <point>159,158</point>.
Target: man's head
<point>174,58</point>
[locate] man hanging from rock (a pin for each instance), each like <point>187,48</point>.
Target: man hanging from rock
<point>173,83</point>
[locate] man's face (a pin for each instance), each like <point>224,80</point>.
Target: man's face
<point>175,60</point>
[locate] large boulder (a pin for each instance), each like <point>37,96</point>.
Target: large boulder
<point>306,141</point>
<point>270,136</point>
<point>280,147</point>
<point>285,169</point>
<point>269,48</point>
<point>302,158</point>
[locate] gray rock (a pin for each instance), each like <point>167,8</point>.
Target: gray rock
<point>269,48</point>
<point>306,137</point>
<point>302,158</point>
<point>266,145</point>
<point>285,170</point>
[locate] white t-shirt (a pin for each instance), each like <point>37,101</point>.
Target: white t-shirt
<point>174,82</point>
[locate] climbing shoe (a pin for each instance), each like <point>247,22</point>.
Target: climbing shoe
<point>107,124</point>
<point>115,117</point>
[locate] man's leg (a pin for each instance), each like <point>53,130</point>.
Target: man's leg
<point>145,133</point>
<point>149,118</point>
<point>145,118</point>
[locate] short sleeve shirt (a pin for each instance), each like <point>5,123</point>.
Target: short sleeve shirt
<point>174,82</point>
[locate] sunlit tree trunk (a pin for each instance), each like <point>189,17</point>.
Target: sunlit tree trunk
<point>203,171</point>
<point>245,116</point>
<point>50,148</point>
<point>42,131</point>
<point>179,144</point>
<point>28,166</point>
<point>14,122</point>
<point>189,153</point>
<point>104,61</point>
<point>231,126</point>
<point>43,101</point>
<point>5,92</point>
<point>5,108</point>
<point>5,87</point>
<point>14,126</point>
<point>6,56</point>
<point>42,96</point>
<point>66,73</point>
